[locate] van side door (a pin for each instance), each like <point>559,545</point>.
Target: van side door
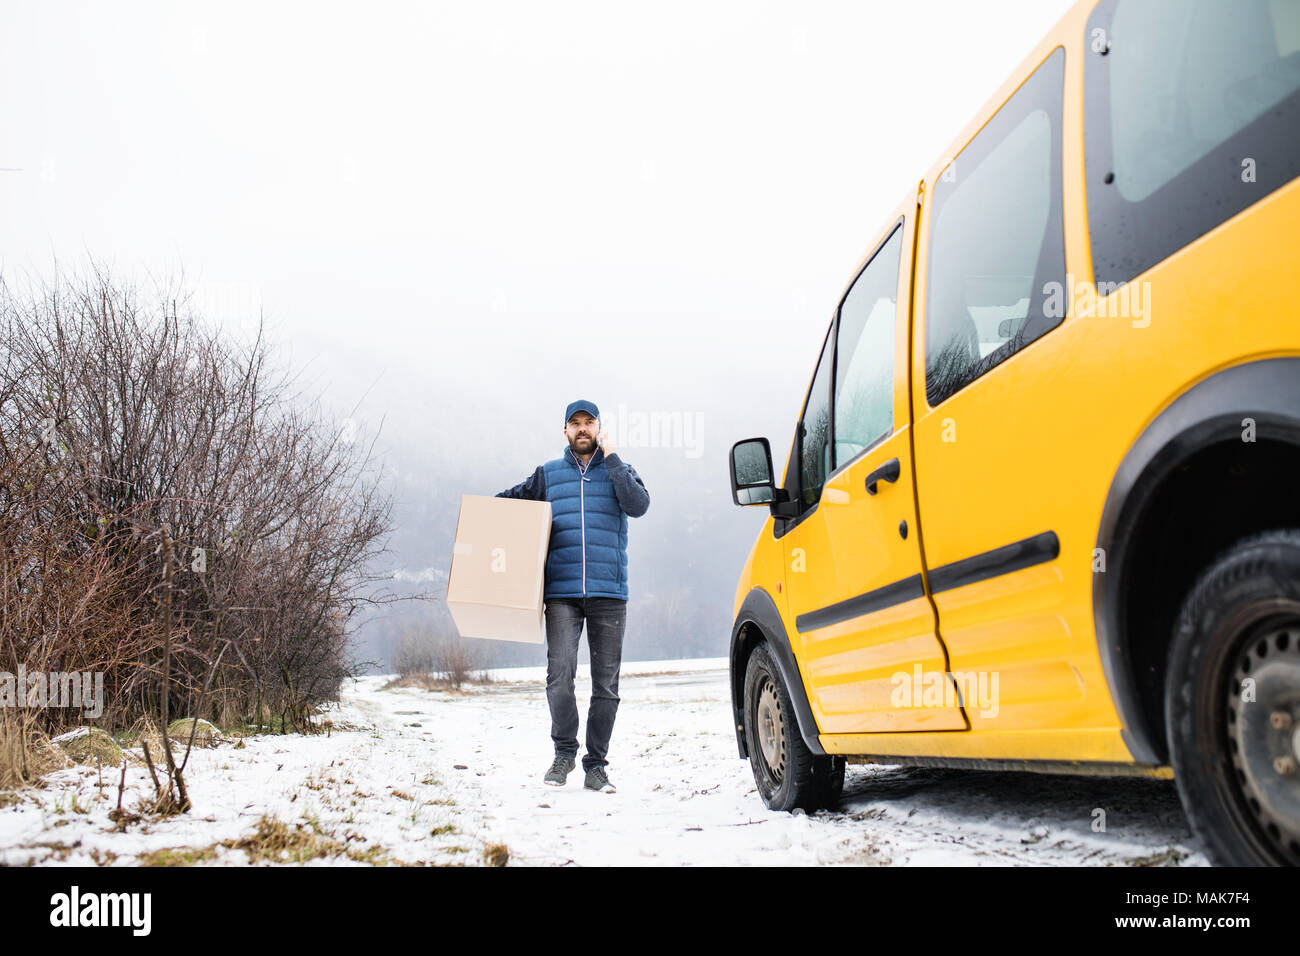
<point>1009,442</point>
<point>864,630</point>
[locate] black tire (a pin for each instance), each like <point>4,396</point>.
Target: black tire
<point>1232,703</point>
<point>800,779</point>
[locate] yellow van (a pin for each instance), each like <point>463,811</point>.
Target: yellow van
<point>1041,510</point>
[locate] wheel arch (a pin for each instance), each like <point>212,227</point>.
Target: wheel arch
<point>759,621</point>
<point>1187,488</point>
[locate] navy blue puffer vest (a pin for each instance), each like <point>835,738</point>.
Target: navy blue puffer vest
<point>588,553</point>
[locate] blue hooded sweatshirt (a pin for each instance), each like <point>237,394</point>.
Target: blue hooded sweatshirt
<point>589,511</point>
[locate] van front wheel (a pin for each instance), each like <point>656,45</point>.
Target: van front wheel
<point>788,775</point>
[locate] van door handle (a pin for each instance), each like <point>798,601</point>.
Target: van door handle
<point>889,471</point>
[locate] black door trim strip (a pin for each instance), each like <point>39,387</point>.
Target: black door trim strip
<point>1016,556</point>
<point>877,600</point>
<point>1010,557</point>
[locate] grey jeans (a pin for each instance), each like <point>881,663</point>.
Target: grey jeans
<point>606,619</point>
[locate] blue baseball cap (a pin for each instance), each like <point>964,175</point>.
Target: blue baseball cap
<point>581,406</point>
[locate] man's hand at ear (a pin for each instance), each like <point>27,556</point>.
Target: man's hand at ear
<point>606,442</point>
<point>628,486</point>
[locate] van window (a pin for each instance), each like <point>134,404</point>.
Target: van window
<point>815,430</point>
<point>1192,113</point>
<point>864,359</point>
<point>996,265</point>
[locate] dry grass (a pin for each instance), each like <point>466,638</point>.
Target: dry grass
<point>56,851</point>
<point>143,731</point>
<point>91,745</point>
<point>278,842</point>
<point>178,856</point>
<point>26,753</point>
<point>206,735</point>
<point>496,854</point>
<point>439,681</point>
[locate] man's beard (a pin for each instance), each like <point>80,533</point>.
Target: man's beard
<point>587,445</point>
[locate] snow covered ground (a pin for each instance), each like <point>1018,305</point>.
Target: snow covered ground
<point>416,776</point>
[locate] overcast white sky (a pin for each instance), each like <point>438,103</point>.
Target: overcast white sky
<point>498,206</point>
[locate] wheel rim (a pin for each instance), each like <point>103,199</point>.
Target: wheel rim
<point>1264,733</point>
<point>771,730</point>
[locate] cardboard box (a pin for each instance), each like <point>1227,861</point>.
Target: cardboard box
<point>498,568</point>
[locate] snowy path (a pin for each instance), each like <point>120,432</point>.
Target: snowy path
<point>431,776</point>
<point>685,797</point>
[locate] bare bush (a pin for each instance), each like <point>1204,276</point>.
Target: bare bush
<point>173,513</point>
<point>431,646</point>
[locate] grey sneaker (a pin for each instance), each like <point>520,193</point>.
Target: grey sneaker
<point>560,770</point>
<point>597,779</point>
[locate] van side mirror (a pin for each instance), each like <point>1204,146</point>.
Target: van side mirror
<point>751,473</point>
